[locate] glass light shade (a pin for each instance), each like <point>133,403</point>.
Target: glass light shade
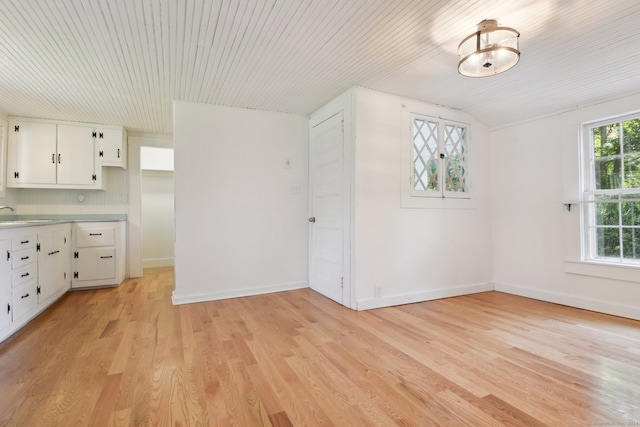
<point>489,51</point>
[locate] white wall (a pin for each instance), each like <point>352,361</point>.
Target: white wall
<point>157,198</point>
<point>239,228</point>
<point>414,254</point>
<point>536,241</point>
<point>136,143</point>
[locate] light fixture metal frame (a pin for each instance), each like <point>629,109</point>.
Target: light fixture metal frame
<point>484,27</point>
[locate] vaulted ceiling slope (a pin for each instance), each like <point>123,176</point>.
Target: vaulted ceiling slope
<point>124,61</point>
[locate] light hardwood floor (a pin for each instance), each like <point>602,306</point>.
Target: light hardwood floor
<point>126,356</point>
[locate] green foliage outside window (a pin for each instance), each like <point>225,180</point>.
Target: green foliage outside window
<point>616,168</point>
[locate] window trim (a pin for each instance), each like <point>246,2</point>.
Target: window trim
<point>588,193</point>
<point>441,123</point>
<point>407,201</point>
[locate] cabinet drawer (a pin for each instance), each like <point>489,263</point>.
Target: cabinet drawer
<point>23,242</point>
<point>25,274</point>
<point>24,299</point>
<point>21,258</point>
<point>91,237</point>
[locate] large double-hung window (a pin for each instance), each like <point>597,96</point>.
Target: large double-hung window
<point>611,191</point>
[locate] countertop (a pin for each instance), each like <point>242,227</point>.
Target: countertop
<point>13,221</point>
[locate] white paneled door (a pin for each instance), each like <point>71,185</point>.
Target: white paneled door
<point>326,222</point>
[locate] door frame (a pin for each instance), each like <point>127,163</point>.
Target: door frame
<point>342,104</point>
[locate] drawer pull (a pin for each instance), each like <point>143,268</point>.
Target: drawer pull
<point>103,257</point>
<point>23,258</point>
<point>54,252</point>
<point>24,275</point>
<point>24,242</point>
<point>25,296</point>
<point>95,234</point>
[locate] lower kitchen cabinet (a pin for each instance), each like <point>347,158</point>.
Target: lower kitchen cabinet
<point>98,254</point>
<point>39,263</point>
<point>5,284</point>
<point>54,262</point>
<point>34,272</point>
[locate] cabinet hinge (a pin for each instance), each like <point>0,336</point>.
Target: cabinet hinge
<point>65,240</point>
<point>100,153</point>
<point>101,135</point>
<point>75,274</point>
<point>16,128</point>
<point>342,282</point>
<point>8,308</point>
<point>38,247</point>
<point>16,174</point>
<point>38,290</point>
<point>94,134</point>
<point>75,254</point>
<point>65,275</point>
<point>94,177</point>
<point>8,255</point>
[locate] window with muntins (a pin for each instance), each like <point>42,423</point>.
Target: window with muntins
<point>611,191</point>
<point>439,158</point>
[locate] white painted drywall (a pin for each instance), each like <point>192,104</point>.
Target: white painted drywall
<point>413,254</point>
<point>156,158</point>
<point>536,241</point>
<point>157,206</point>
<point>241,214</point>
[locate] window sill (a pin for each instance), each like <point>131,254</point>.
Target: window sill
<point>416,202</point>
<point>626,273</point>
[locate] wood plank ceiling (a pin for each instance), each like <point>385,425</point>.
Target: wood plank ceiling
<point>124,61</point>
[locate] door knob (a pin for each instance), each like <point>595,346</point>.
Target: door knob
<point>312,219</point>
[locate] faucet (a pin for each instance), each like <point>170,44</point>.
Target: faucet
<point>7,207</point>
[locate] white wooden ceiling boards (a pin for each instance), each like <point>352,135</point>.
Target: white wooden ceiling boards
<point>124,61</point>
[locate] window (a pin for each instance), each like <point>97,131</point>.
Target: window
<point>439,158</point>
<point>611,190</point>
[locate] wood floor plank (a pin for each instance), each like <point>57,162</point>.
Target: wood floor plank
<point>127,357</point>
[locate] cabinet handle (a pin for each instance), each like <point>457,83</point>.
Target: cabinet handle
<point>53,158</point>
<point>53,253</point>
<point>103,257</point>
<point>24,242</point>
<point>59,157</point>
<point>23,258</point>
<point>118,153</point>
<point>24,275</point>
<point>95,234</point>
<point>24,296</point>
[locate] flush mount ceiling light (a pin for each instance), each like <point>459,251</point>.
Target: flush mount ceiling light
<point>490,50</point>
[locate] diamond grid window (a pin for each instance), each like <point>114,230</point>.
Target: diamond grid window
<point>439,158</point>
<point>455,158</point>
<point>425,155</point>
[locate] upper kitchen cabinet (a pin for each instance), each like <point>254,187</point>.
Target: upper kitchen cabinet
<point>112,146</point>
<point>48,154</point>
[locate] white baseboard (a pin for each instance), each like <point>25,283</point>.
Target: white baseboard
<point>158,262</point>
<point>212,296</point>
<point>392,300</point>
<point>616,309</point>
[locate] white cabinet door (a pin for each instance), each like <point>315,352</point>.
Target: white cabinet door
<point>76,156</point>
<point>5,284</point>
<point>32,153</point>
<point>53,264</point>
<point>96,264</point>
<point>112,146</point>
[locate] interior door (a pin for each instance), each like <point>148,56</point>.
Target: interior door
<point>326,236</point>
